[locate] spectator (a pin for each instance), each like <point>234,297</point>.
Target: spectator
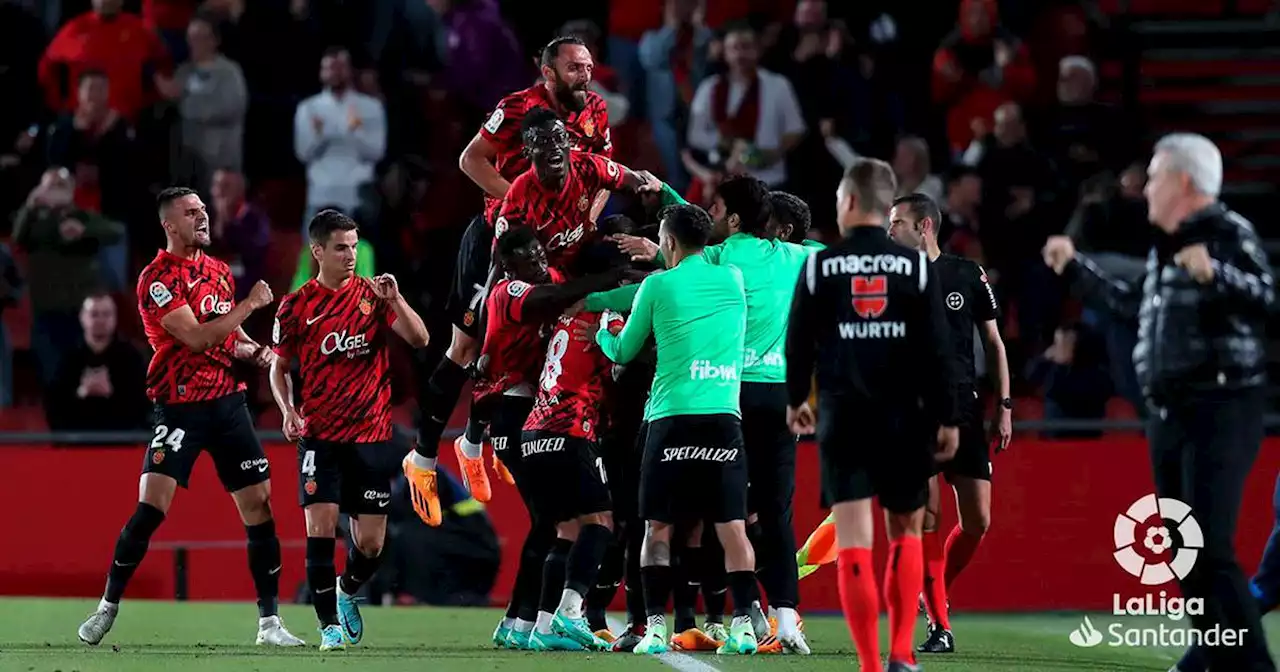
<point>22,38</point>
<point>340,135</point>
<point>961,225</point>
<point>169,18</point>
<point>484,60</point>
<point>10,293</point>
<point>240,231</point>
<point>674,60</point>
<point>212,99</point>
<point>101,384</point>
<point>62,242</point>
<point>745,121</point>
<point>111,41</point>
<point>1076,386</point>
<point>1083,136</point>
<point>977,68</point>
<point>912,167</point>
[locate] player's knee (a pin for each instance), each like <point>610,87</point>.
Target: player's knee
<point>157,490</point>
<point>254,503</point>
<point>976,523</point>
<point>567,530</point>
<point>322,520</point>
<point>369,545</point>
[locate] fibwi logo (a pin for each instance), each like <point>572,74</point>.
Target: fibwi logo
<point>1144,537</point>
<point>703,369</point>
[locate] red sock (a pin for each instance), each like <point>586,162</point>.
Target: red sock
<point>935,588</point>
<point>961,548</point>
<point>903,581</point>
<point>861,604</point>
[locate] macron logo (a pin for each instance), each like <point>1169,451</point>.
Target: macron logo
<point>703,369</point>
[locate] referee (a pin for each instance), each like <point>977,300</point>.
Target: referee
<point>870,313</point>
<point>1202,308</point>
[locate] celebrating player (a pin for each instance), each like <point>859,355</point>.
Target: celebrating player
<point>187,302</point>
<point>869,312</point>
<point>789,218</point>
<point>337,326</point>
<point>913,221</point>
<point>694,465</point>
<point>493,158</point>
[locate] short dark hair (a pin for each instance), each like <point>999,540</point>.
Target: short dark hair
<point>690,225</point>
<point>874,184</point>
<point>552,50</point>
<point>537,118</point>
<point>91,73</point>
<point>334,50</point>
<point>748,198</point>
<point>517,237</point>
<point>922,207</point>
<point>166,197</point>
<point>791,209</point>
<point>959,172</point>
<point>616,224</point>
<point>326,222</point>
<point>739,26</point>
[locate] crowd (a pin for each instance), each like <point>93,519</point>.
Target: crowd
<point>276,109</point>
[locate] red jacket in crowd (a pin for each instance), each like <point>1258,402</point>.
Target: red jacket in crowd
<point>122,46</point>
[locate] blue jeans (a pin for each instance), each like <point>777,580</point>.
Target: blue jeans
<point>114,262</point>
<point>51,335</point>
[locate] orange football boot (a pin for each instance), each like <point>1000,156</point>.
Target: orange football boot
<point>694,639</point>
<point>423,492</point>
<point>474,475</point>
<point>501,470</point>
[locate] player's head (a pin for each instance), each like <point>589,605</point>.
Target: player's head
<point>93,91</point>
<point>789,217</point>
<point>741,205</point>
<point>546,142</point>
<point>184,217</point>
<point>1185,175</point>
<point>567,66</point>
<point>335,68</point>
<point>98,317</point>
<point>741,47</point>
<point>521,255</point>
<point>334,240</point>
<point>603,254</point>
<point>683,230</point>
<point>865,193</point>
<point>914,221</point>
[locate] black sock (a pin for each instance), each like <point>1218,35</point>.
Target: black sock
<point>131,547</point>
<point>779,578</point>
<point>741,584</point>
<point>264,564</point>
<point>321,579</point>
<point>688,579</point>
<point>634,536</point>
<point>714,590</point>
<point>585,557</point>
<point>437,405</point>
<point>657,587</point>
<point>475,426</point>
<point>606,586</point>
<point>553,570</point>
<point>360,568</point>
<point>755,535</point>
<point>533,557</point>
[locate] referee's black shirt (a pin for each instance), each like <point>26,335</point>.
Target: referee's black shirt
<point>970,302</point>
<point>871,314</point>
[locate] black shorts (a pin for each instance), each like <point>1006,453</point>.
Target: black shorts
<point>771,448</point>
<point>564,476</point>
<point>470,275</point>
<point>694,469</point>
<point>623,439</point>
<point>868,452</point>
<point>973,458</point>
<point>505,417</point>
<point>222,427</point>
<point>355,476</point>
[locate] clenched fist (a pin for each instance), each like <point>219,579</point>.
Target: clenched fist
<point>260,296</point>
<point>1058,252</point>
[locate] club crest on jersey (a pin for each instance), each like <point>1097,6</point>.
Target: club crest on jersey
<point>468,318</point>
<point>310,486</point>
<point>226,286</point>
<point>588,127</point>
<point>366,306</point>
<point>160,294</point>
<point>583,203</point>
<point>157,456</point>
<point>870,295</point>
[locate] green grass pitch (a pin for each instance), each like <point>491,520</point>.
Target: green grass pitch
<point>39,635</point>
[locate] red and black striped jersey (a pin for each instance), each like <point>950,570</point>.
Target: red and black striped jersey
<point>561,218</point>
<point>513,348</point>
<point>177,374</point>
<point>340,338</point>
<point>588,132</point>
<point>575,380</point>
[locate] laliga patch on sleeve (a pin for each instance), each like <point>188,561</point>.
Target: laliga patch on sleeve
<point>612,168</point>
<point>500,227</point>
<point>160,294</point>
<point>495,121</point>
<point>517,289</point>
<point>275,332</point>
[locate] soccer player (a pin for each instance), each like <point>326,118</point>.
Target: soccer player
<point>694,465</point>
<point>494,158</point>
<point>870,313</point>
<point>564,472</point>
<point>529,295</point>
<point>187,302</point>
<point>338,326</point>
<point>971,306</point>
<point>790,218</point>
<point>741,213</point>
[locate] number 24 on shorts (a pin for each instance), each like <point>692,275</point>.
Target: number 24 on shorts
<point>168,437</point>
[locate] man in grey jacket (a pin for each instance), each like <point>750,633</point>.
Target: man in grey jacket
<point>212,98</point>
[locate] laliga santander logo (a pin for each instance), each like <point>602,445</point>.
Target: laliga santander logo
<point>1135,530</point>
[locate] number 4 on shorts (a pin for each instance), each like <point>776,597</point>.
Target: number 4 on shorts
<point>168,437</point>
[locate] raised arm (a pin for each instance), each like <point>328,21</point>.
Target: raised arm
<point>624,347</point>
